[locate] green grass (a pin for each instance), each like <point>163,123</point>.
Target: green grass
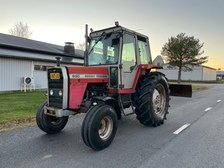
<point>205,82</point>
<point>197,88</point>
<point>17,106</point>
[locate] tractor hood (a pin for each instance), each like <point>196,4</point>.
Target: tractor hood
<point>80,77</point>
<point>85,74</point>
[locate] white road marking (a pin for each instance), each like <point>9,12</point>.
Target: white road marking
<point>181,128</point>
<point>219,101</point>
<point>46,157</point>
<point>207,109</point>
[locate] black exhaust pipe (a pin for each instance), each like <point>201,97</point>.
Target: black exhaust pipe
<point>86,46</point>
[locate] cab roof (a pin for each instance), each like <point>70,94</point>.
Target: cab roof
<point>116,29</point>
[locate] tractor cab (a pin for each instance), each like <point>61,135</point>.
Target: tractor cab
<point>122,50</point>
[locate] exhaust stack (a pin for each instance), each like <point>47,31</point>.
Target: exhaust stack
<point>69,48</point>
<point>86,46</point>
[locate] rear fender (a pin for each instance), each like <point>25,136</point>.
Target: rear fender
<point>142,70</point>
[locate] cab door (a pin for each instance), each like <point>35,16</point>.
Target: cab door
<point>128,66</point>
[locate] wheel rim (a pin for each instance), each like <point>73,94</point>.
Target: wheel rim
<point>159,99</point>
<point>55,120</point>
<point>106,127</point>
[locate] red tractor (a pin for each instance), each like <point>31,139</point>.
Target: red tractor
<point>118,74</point>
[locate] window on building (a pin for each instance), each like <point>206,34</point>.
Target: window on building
<point>41,67</point>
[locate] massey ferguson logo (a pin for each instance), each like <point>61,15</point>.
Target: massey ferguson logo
<point>90,76</point>
<point>75,76</point>
<point>87,76</point>
<point>102,76</point>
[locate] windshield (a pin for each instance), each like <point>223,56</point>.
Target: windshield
<point>104,50</point>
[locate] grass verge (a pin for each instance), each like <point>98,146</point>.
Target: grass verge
<point>198,88</point>
<point>19,108</point>
<point>199,82</point>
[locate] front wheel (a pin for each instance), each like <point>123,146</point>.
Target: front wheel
<point>99,127</point>
<point>152,99</point>
<point>49,124</point>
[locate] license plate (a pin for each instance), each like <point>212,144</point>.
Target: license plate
<point>54,76</point>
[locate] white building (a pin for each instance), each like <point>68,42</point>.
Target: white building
<point>199,73</point>
<point>20,57</point>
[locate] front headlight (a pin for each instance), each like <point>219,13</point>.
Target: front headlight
<point>60,93</point>
<point>51,92</point>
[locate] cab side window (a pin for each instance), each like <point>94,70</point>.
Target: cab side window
<point>128,53</point>
<point>143,50</point>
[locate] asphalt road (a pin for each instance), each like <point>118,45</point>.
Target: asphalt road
<point>199,145</point>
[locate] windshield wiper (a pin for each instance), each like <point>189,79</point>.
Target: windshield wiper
<point>100,38</point>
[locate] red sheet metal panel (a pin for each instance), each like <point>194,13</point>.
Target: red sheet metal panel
<point>79,77</point>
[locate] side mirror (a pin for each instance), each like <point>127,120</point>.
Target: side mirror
<point>158,61</point>
<point>88,39</point>
<point>115,41</point>
<point>132,68</point>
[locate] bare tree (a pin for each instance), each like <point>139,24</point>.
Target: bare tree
<point>81,46</point>
<point>20,29</point>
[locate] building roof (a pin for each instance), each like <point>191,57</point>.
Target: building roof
<point>220,72</point>
<point>209,67</point>
<point>22,48</point>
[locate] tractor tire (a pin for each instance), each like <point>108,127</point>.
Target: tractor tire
<point>99,127</point>
<point>49,124</point>
<point>85,124</point>
<point>151,99</point>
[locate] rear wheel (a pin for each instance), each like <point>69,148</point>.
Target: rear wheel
<point>152,99</point>
<point>49,124</point>
<point>99,127</point>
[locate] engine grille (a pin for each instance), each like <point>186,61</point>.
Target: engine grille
<point>54,87</point>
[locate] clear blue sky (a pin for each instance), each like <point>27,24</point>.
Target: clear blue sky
<point>57,21</point>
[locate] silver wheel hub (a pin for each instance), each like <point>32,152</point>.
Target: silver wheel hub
<point>106,127</point>
<point>56,120</point>
<point>159,99</point>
